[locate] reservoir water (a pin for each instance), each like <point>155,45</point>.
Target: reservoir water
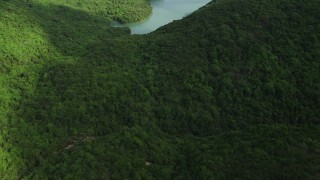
<point>164,12</point>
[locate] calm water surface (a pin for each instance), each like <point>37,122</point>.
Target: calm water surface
<point>164,12</point>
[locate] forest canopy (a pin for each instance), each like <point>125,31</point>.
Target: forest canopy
<point>231,91</point>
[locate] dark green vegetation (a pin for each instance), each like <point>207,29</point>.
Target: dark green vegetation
<point>232,91</point>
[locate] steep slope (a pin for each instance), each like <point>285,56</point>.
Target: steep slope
<point>250,61</point>
<point>231,91</point>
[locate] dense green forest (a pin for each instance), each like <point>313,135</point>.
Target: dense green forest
<point>232,91</point>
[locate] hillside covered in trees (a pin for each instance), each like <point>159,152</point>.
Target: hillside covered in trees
<point>232,91</point>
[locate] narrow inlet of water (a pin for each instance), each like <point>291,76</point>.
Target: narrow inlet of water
<point>164,12</point>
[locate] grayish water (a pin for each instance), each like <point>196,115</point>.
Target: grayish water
<point>164,12</point>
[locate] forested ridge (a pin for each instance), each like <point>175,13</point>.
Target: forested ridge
<point>232,91</point>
